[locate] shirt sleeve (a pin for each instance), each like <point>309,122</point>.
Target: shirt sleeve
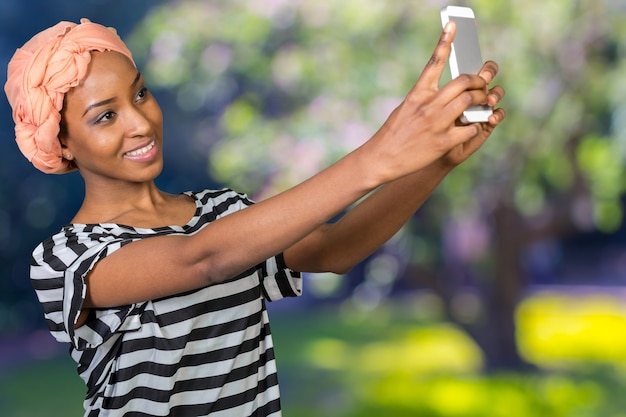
<point>278,281</point>
<point>58,269</point>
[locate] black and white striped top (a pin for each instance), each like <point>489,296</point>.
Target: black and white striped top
<point>203,352</point>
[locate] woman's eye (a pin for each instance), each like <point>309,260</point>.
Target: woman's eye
<point>143,93</point>
<point>105,117</point>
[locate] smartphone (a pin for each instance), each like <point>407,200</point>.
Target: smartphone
<point>465,57</point>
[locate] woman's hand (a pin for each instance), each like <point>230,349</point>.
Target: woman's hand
<point>461,152</point>
<point>424,128</point>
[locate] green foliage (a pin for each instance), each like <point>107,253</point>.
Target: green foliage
<point>298,84</point>
<point>605,172</point>
<point>321,75</point>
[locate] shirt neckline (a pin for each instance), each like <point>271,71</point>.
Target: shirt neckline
<point>189,223</point>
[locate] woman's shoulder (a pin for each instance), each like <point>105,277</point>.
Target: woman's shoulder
<point>220,202</point>
<point>74,239</point>
<point>216,195</point>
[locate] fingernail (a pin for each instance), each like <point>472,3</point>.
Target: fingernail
<point>448,27</point>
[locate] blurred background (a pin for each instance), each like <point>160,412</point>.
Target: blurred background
<point>504,296</point>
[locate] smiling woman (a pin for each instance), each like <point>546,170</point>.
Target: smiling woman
<point>162,297</point>
<point>112,124</point>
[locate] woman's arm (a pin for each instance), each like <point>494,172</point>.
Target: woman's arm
<point>340,246</point>
<point>421,131</point>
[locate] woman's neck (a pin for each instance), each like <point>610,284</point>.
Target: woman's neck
<point>134,204</point>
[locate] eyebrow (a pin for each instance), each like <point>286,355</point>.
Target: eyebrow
<point>110,100</point>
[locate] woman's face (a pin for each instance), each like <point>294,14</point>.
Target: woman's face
<point>112,126</point>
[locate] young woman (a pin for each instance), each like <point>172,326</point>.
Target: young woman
<point>162,297</point>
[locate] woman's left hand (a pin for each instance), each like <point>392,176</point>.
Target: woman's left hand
<point>463,151</point>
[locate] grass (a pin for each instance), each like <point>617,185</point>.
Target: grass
<point>341,363</point>
<point>42,388</point>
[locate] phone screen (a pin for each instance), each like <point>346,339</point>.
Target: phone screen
<point>466,46</point>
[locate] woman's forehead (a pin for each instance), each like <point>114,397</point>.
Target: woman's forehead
<point>107,74</point>
<point>109,66</point>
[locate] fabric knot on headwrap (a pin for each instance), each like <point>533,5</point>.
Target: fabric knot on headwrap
<point>39,75</point>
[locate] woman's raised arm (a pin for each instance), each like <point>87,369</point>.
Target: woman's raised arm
<point>418,133</point>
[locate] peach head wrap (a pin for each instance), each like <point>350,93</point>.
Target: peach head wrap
<point>39,75</point>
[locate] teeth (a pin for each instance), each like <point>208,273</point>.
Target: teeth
<point>141,151</point>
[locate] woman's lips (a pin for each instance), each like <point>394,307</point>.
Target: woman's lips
<point>145,153</point>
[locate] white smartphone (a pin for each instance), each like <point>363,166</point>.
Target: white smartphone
<point>465,57</point>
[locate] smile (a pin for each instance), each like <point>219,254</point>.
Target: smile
<point>141,151</point>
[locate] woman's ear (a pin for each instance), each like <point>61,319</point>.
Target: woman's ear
<point>63,139</point>
<point>65,152</point>
<point>67,155</point>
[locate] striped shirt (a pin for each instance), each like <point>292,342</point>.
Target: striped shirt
<point>200,353</point>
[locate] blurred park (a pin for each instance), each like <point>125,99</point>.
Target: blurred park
<point>506,293</point>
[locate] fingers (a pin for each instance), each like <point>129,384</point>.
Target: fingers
<point>458,97</point>
<point>464,82</point>
<point>489,71</point>
<point>497,116</point>
<point>468,92</point>
<point>495,95</point>
<point>434,67</point>
<point>463,134</point>
<point>472,140</point>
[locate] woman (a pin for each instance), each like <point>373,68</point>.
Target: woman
<point>162,297</point>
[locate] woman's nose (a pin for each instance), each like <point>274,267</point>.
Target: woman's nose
<point>138,122</point>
